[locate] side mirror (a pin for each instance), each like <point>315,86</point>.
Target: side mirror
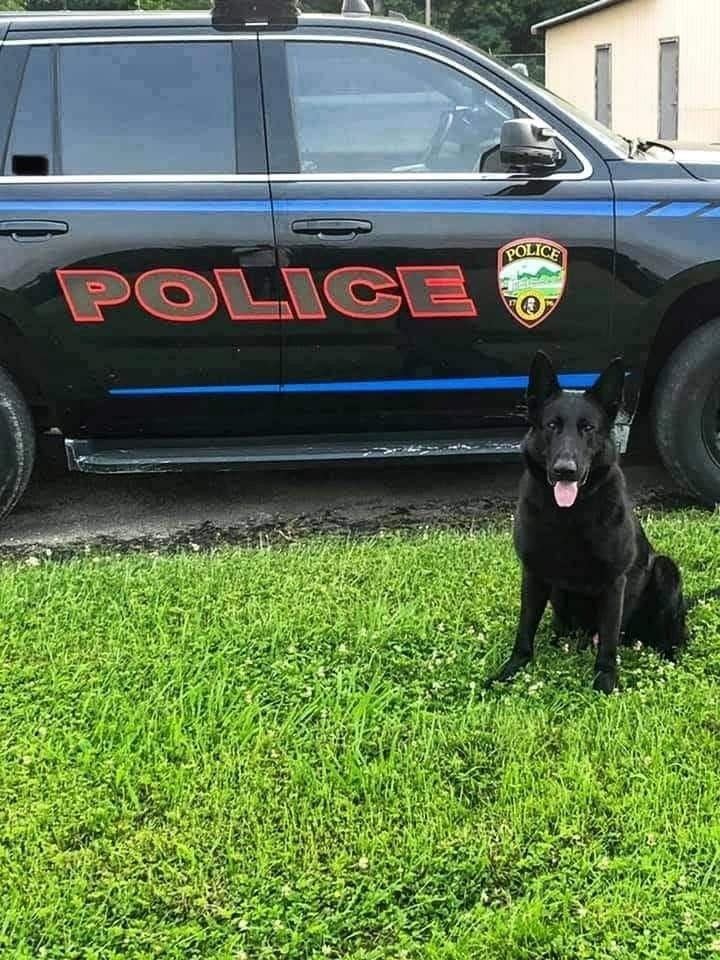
<point>528,144</point>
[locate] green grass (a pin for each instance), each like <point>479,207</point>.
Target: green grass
<point>287,753</point>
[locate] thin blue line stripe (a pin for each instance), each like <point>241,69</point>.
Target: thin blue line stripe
<point>194,391</point>
<point>493,206</point>
<point>677,210</point>
<point>567,380</point>
<point>632,208</point>
<point>504,206</point>
<point>142,206</point>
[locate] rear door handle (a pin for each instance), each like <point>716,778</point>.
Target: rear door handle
<point>29,231</point>
<point>332,229</point>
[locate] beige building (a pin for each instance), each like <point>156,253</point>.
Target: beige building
<point>647,68</point>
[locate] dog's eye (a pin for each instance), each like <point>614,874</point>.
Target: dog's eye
<point>586,427</point>
<point>554,424</point>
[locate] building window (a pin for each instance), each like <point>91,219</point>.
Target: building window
<point>603,84</point>
<point>668,89</point>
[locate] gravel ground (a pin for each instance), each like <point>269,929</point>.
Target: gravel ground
<point>67,513</point>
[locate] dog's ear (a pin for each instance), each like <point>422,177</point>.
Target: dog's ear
<point>542,385</point>
<point>608,388</point>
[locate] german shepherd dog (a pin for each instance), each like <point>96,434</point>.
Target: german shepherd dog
<point>580,544</point>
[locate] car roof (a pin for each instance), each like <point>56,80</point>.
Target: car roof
<point>76,20</point>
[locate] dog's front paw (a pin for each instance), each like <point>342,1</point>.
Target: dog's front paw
<point>509,669</point>
<point>605,681</point>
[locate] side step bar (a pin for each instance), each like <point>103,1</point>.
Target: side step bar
<point>156,456</point>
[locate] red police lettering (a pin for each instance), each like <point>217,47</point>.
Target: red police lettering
<point>183,296</point>
<point>240,303</point>
<point>151,292</point>
<point>436,292</point>
<point>303,293</point>
<point>340,287</point>
<point>86,291</point>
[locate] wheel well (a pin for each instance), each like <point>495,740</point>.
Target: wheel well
<point>690,311</point>
<point>19,364</point>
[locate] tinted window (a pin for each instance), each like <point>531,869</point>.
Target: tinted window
<point>363,108</point>
<point>31,138</point>
<point>147,108</point>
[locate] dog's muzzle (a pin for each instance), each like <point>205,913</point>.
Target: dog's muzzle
<point>566,491</point>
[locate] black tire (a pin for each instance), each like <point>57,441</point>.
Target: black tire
<point>686,413</point>
<point>17,443</point>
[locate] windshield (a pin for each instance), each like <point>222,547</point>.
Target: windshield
<point>611,139</point>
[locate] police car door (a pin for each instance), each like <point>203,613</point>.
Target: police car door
<point>152,184</point>
<point>420,277</point>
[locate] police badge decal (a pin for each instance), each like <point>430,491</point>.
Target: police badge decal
<point>531,278</point>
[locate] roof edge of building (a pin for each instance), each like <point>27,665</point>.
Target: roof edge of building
<point>583,11</point>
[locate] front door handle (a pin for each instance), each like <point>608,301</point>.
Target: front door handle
<point>29,231</point>
<point>332,229</point>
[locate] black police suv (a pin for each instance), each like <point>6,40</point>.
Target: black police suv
<point>255,238</point>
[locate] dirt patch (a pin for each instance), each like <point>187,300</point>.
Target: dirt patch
<point>71,515</point>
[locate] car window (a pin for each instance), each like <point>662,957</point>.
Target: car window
<point>362,108</point>
<point>147,108</point>
<point>30,147</point>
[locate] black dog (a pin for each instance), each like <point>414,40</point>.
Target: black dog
<point>580,544</point>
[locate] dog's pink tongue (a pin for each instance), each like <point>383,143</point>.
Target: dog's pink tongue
<point>565,493</point>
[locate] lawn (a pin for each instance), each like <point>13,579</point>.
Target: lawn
<point>287,752</point>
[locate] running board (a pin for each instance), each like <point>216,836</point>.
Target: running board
<point>156,456</point>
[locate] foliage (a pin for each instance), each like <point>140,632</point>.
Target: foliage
<point>500,26</point>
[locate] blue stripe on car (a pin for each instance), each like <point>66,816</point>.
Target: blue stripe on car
<point>567,380</point>
<point>503,206</point>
